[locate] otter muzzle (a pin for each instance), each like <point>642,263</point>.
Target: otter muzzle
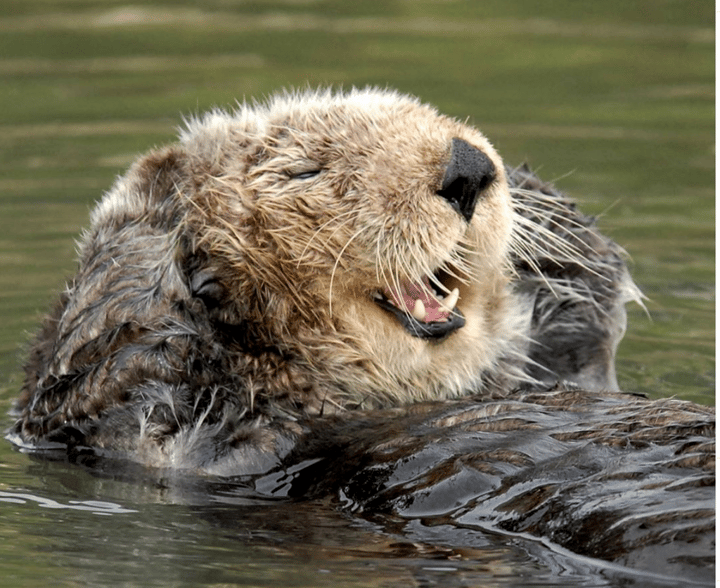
<point>468,174</point>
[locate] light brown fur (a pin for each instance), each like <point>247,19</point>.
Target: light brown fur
<point>239,293</point>
<point>310,257</point>
<point>228,283</point>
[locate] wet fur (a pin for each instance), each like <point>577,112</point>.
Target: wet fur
<point>607,475</point>
<point>221,322</point>
<point>225,289</point>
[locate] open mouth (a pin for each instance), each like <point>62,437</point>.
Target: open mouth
<point>421,309</point>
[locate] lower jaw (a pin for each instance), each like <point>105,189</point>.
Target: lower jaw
<point>431,331</point>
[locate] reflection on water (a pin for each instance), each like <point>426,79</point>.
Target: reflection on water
<point>198,535</point>
<point>613,99</point>
<point>94,506</point>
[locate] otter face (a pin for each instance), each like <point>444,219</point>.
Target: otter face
<point>366,232</point>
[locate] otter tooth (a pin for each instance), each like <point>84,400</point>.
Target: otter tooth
<point>418,310</point>
<point>448,303</point>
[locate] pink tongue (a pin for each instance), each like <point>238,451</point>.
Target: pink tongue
<point>409,292</point>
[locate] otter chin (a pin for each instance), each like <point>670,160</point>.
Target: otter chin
<point>319,253</point>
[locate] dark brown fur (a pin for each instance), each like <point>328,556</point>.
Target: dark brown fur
<point>199,336</point>
<point>608,475</point>
<point>175,346</point>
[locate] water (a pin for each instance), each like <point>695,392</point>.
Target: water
<point>614,101</point>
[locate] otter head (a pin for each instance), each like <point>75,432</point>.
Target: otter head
<point>363,236</point>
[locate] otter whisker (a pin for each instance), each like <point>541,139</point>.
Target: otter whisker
<point>335,266</point>
<point>351,214</point>
<point>532,225</point>
<point>456,268</point>
<point>537,204</point>
<point>380,262</point>
<point>549,245</point>
<point>525,254</point>
<point>553,221</point>
<point>468,257</point>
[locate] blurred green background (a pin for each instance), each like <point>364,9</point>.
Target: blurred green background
<point>612,100</point>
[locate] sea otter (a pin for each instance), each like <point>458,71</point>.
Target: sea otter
<point>342,277</point>
<point>318,253</point>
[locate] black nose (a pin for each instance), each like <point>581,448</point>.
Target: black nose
<point>469,172</point>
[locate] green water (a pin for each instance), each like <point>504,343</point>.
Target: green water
<point>613,100</point>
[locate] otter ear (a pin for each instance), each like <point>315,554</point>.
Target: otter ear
<point>203,279</point>
<point>150,191</point>
<point>166,181</point>
<point>160,177</point>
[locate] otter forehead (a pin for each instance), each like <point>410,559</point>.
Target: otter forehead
<point>323,120</point>
<point>259,118</point>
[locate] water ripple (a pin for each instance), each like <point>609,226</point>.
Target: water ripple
<point>94,506</point>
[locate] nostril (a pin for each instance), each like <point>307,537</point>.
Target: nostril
<point>469,172</point>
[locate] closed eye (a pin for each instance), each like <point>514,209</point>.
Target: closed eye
<point>305,175</point>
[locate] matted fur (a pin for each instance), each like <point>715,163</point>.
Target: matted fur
<point>612,476</point>
<point>227,285</point>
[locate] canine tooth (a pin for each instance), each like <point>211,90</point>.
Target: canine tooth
<point>448,304</point>
<point>418,310</point>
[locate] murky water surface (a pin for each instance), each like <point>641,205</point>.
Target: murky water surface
<point>613,100</point>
